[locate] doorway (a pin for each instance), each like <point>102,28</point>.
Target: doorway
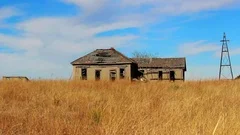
<point>160,75</point>
<point>97,75</point>
<point>172,76</point>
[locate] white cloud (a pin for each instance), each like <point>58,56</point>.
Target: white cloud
<point>144,11</point>
<point>68,27</point>
<point>29,44</point>
<point>235,51</point>
<point>65,35</point>
<point>89,5</point>
<point>53,42</point>
<point>75,47</point>
<point>190,6</point>
<point>7,12</point>
<point>198,47</point>
<point>159,6</point>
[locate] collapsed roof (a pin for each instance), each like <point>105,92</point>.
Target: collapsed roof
<point>103,56</point>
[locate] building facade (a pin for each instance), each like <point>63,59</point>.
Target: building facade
<point>109,64</point>
<point>104,64</point>
<point>162,68</point>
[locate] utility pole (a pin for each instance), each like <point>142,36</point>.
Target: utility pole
<point>225,59</point>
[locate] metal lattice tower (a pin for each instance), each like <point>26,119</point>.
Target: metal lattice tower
<point>225,63</point>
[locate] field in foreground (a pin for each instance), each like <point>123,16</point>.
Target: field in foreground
<point>62,108</point>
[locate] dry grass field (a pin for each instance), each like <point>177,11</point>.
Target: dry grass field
<point>93,108</point>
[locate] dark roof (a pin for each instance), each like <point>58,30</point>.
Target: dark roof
<point>161,62</point>
<point>103,56</point>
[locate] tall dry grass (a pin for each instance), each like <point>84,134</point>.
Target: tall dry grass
<point>91,108</point>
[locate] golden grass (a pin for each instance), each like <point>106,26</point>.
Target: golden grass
<point>62,108</point>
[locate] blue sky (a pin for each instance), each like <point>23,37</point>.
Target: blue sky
<point>40,39</point>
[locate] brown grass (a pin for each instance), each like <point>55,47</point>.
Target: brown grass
<point>71,108</point>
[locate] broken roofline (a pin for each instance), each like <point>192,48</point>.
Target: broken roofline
<point>116,63</point>
<point>106,58</point>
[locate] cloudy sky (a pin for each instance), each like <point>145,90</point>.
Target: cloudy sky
<point>39,39</point>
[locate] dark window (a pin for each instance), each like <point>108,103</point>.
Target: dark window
<point>160,75</point>
<point>122,73</point>
<point>172,75</point>
<point>97,75</point>
<point>84,74</point>
<point>113,75</point>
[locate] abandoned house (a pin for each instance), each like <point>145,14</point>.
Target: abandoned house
<point>109,64</point>
<point>162,68</point>
<point>104,64</point>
